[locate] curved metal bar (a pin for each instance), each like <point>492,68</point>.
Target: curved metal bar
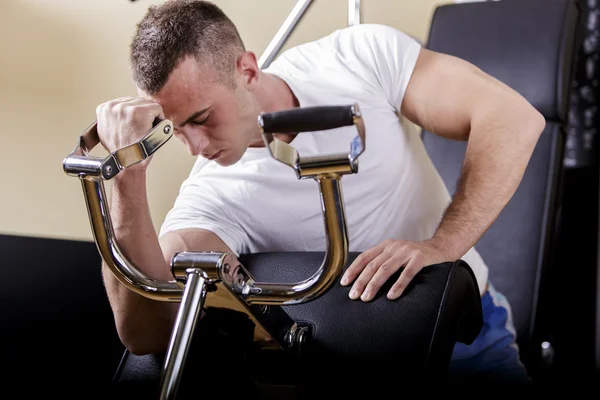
<point>336,255</point>
<point>122,268</point>
<point>92,171</point>
<point>326,170</point>
<point>261,293</point>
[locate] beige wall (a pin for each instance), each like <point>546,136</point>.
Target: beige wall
<point>61,58</point>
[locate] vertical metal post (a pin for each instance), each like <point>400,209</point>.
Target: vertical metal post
<point>188,315</point>
<point>354,17</point>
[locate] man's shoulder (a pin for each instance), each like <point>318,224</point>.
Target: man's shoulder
<point>369,29</point>
<point>372,33</point>
<point>379,41</point>
<point>357,41</point>
<point>369,33</point>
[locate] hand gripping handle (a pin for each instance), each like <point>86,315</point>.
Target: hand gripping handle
<point>80,162</point>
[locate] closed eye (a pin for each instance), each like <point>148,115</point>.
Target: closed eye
<point>202,122</point>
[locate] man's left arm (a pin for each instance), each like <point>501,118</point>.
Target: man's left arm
<point>456,100</point>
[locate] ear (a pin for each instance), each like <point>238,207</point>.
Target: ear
<point>248,69</point>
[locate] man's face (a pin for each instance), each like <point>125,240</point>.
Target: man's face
<point>213,121</point>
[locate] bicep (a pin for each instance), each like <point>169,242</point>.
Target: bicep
<point>192,239</point>
<point>445,93</point>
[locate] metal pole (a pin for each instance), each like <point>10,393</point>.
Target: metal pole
<point>353,12</point>
<point>188,315</point>
<point>283,33</point>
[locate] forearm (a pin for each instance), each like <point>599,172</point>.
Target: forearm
<point>144,325</point>
<point>501,141</point>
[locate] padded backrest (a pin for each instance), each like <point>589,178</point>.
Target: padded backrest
<point>529,45</point>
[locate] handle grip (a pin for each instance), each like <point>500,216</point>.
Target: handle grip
<point>90,138</point>
<point>79,162</point>
<point>305,119</point>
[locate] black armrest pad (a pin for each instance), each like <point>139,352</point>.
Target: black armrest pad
<point>441,306</point>
<point>417,332</point>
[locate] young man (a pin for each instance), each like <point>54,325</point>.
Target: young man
<point>191,66</point>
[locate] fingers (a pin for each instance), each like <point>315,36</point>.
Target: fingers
<point>120,102</point>
<point>360,262</point>
<point>389,266</point>
<point>413,266</point>
<point>365,277</point>
<point>125,120</point>
<point>134,109</point>
<point>374,267</point>
<point>153,111</point>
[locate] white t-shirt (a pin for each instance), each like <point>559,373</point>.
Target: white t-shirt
<point>258,204</point>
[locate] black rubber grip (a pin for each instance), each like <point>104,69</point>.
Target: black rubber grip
<point>305,119</point>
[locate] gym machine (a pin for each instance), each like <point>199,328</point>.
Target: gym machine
<point>289,317</point>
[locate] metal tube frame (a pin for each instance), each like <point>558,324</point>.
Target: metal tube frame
<point>232,285</point>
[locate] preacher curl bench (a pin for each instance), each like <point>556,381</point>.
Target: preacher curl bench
<point>284,327</point>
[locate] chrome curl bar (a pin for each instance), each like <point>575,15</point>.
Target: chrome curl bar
<point>215,279</point>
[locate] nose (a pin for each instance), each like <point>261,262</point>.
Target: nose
<point>197,143</point>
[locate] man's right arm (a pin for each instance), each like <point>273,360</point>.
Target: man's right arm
<point>145,325</point>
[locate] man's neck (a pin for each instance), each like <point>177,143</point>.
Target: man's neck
<point>276,95</point>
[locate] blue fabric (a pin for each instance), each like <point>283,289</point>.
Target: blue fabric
<point>494,355</point>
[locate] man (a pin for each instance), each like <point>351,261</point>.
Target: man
<point>191,66</point>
